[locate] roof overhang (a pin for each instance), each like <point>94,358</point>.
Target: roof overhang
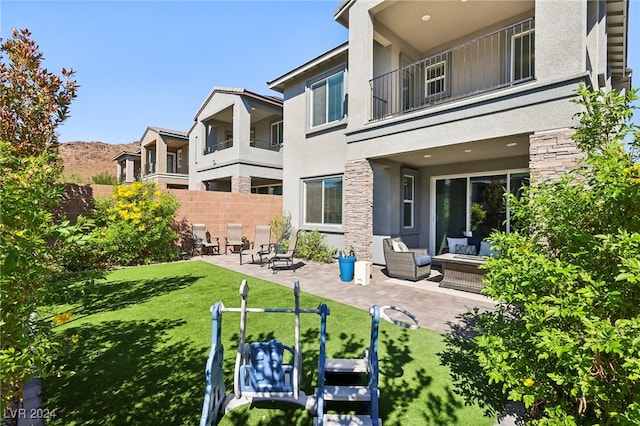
<point>278,83</point>
<point>617,38</point>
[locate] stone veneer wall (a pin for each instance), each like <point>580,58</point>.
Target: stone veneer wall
<point>552,153</point>
<point>214,209</point>
<point>358,208</point>
<point>241,184</point>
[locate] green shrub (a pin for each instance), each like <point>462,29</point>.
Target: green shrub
<point>565,339</point>
<point>104,178</point>
<point>281,228</point>
<point>311,245</point>
<point>34,101</point>
<point>135,225</point>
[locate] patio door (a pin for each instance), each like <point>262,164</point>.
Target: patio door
<point>171,162</point>
<point>472,205</point>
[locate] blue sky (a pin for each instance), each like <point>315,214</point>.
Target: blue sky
<point>153,63</point>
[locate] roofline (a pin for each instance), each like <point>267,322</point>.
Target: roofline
<point>318,60</point>
<point>234,91</point>
<point>344,6</point>
<point>123,153</point>
<point>166,132</point>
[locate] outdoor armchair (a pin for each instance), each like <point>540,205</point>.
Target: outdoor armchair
<point>234,237</point>
<point>201,240</point>
<point>287,257</point>
<point>261,244</point>
<point>405,263</point>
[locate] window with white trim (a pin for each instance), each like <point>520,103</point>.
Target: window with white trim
<point>327,100</point>
<point>435,79</point>
<point>408,190</point>
<point>323,201</point>
<point>277,130</point>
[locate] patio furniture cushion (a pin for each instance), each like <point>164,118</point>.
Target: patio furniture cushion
<point>465,249</point>
<point>422,260</point>
<point>399,246</point>
<point>486,250</point>
<point>453,242</point>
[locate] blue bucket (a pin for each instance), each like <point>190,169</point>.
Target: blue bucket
<point>347,265</point>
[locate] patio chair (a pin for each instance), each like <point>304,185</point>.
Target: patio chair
<point>405,263</point>
<point>233,238</point>
<point>201,240</point>
<point>286,258</point>
<point>261,244</point>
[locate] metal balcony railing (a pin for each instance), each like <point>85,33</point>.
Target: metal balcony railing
<point>262,144</point>
<point>218,147</point>
<point>496,60</point>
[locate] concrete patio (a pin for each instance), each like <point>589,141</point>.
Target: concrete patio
<point>436,308</point>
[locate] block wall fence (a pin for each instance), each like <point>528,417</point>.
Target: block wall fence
<point>214,209</point>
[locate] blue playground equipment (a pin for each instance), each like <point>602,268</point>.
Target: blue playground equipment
<point>260,372</point>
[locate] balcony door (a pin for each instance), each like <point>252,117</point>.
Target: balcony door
<point>171,162</point>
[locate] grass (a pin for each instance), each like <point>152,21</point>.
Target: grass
<point>144,336</point>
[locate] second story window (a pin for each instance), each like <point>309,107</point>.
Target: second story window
<point>327,100</point>
<point>435,79</point>
<point>276,133</point>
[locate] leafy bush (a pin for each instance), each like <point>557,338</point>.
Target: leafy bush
<point>135,225</point>
<point>311,245</point>
<point>104,178</point>
<point>565,339</point>
<point>281,228</point>
<point>32,103</point>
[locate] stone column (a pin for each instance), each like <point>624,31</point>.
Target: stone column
<point>552,153</point>
<point>358,208</point>
<point>241,184</point>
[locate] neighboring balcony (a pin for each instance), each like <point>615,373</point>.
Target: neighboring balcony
<point>262,144</point>
<point>218,146</point>
<point>491,62</point>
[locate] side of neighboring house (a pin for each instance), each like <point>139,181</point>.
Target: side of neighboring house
<point>433,108</point>
<point>236,143</point>
<point>163,157</point>
<point>128,168</point>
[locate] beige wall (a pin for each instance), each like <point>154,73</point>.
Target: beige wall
<point>214,209</point>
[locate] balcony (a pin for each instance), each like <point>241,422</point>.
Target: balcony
<point>262,144</point>
<point>209,149</point>
<point>494,61</point>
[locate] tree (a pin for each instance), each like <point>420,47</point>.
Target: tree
<point>565,338</point>
<point>32,103</point>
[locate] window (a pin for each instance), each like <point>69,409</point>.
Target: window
<point>323,201</point>
<point>522,56</point>
<point>327,100</point>
<point>151,161</point>
<point>277,129</point>
<point>179,159</point>
<point>435,79</point>
<point>171,162</point>
<point>211,141</point>
<point>408,210</point>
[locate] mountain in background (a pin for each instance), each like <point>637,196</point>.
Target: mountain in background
<point>83,160</point>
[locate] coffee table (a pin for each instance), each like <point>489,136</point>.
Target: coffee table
<point>461,272</point>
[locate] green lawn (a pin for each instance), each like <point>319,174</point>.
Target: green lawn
<point>144,336</point>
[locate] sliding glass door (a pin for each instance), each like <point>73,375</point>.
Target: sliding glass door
<point>473,204</point>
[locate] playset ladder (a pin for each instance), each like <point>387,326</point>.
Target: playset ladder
<point>360,369</point>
